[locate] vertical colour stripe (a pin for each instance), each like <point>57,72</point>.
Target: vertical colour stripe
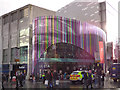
<point>53,30</point>
<point>47,33</point>
<point>61,28</point>
<point>71,30</point>
<point>39,35</point>
<point>35,43</point>
<point>90,44</point>
<point>83,36</point>
<point>49,30</point>
<point>57,29</point>
<point>68,29</point>
<point>64,30</point>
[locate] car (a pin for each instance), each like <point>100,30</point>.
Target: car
<point>77,76</point>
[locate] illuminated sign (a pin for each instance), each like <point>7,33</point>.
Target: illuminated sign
<point>101,50</point>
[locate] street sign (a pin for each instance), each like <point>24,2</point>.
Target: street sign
<point>17,60</point>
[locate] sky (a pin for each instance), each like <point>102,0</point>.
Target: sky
<point>9,5</point>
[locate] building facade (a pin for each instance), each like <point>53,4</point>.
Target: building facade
<point>16,38</point>
<point>63,40</point>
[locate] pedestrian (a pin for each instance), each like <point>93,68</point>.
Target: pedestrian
<point>65,74</point>
<point>99,76</point>
<point>90,79</point>
<point>102,78</point>
<point>96,78</point>
<point>85,78</point>
<point>55,77</point>
<point>21,79</point>
<point>17,77</point>
<point>49,77</point>
<point>7,76</point>
<point>24,76</point>
<point>43,77</point>
<point>3,80</point>
<point>37,77</point>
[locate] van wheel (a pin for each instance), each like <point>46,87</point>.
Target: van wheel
<point>115,80</point>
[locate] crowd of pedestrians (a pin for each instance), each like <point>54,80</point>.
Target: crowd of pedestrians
<point>51,78</point>
<point>96,78</point>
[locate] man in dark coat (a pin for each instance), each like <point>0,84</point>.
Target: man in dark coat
<point>49,77</point>
<point>102,78</point>
<point>85,80</point>
<point>55,77</point>
<point>21,79</point>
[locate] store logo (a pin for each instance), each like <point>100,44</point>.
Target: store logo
<point>21,67</point>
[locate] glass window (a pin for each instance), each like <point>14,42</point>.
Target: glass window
<point>24,37</point>
<point>14,16</point>
<point>23,13</point>
<point>5,19</point>
<point>24,54</point>
<point>5,55</point>
<point>12,54</point>
<point>26,12</point>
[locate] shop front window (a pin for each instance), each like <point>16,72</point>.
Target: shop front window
<point>23,54</point>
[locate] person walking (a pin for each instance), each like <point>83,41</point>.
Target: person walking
<point>49,77</point>
<point>55,77</point>
<point>21,79</point>
<point>102,78</point>
<point>90,79</point>
<point>99,77</point>
<point>85,78</point>
<point>43,77</point>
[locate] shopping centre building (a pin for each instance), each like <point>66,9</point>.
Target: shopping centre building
<point>33,39</point>
<point>65,44</point>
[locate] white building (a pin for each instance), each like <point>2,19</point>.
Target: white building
<point>16,37</point>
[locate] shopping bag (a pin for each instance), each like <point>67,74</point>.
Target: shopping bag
<point>57,82</point>
<point>46,82</point>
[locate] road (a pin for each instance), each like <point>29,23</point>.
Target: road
<point>64,84</point>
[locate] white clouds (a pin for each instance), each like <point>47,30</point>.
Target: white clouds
<point>9,5</point>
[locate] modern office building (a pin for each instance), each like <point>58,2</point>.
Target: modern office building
<point>65,44</point>
<point>16,38</point>
<point>91,12</point>
<point>100,14</point>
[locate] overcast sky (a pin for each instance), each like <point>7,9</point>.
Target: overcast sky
<point>10,5</point>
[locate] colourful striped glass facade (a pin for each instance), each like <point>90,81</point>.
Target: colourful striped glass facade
<point>49,30</point>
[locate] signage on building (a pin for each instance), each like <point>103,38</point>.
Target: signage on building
<point>17,60</point>
<point>21,67</point>
<point>101,50</point>
<point>109,50</point>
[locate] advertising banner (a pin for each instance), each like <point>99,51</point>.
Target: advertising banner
<point>101,50</point>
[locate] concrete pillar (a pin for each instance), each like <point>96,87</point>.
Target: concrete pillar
<point>1,52</point>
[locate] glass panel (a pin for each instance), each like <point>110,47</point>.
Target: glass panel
<point>23,54</point>
<point>24,37</point>
<point>74,73</point>
<point>5,55</point>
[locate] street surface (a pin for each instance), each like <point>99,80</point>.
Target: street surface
<point>108,84</point>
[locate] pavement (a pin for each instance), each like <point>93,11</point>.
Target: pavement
<point>108,83</point>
